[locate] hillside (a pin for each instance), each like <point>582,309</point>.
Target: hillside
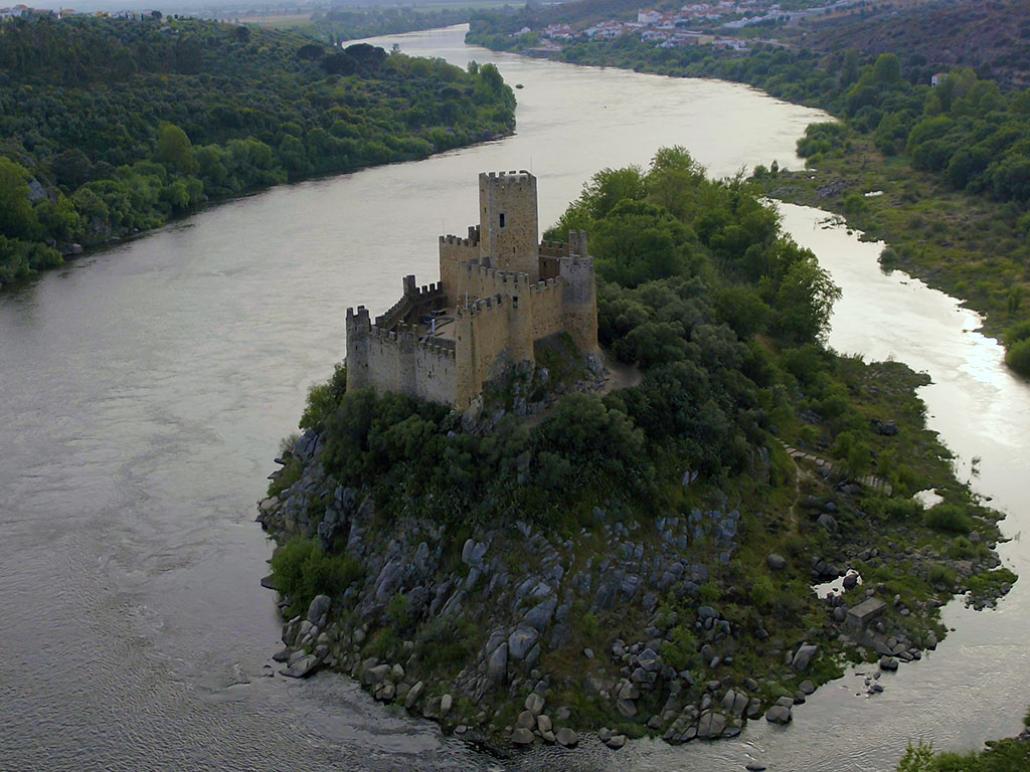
<point>109,127</point>
<point>993,38</point>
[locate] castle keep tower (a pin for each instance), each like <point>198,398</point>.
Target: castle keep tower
<point>500,292</point>
<point>508,224</point>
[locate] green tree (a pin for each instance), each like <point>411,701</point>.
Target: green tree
<point>17,217</point>
<point>887,70</point>
<point>638,242</point>
<point>174,149</point>
<point>805,299</point>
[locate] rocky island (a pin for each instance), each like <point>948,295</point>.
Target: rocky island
<point>689,520</point>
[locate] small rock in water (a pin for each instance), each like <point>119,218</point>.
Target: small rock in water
<point>616,741</point>
<point>778,714</point>
<point>282,655</point>
<point>522,736</point>
<point>888,663</point>
<point>302,667</point>
<point>755,766</point>
<point>566,737</point>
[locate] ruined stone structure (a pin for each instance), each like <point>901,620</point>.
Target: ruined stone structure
<point>500,291</point>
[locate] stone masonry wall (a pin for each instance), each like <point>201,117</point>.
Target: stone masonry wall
<point>454,252</point>
<point>546,308</point>
<point>508,221</point>
<point>435,373</point>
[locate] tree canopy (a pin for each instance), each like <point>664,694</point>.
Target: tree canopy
<point>117,125</point>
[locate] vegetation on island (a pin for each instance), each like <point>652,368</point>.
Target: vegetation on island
<point>724,315</point>
<point>110,127</point>
<point>1008,755</point>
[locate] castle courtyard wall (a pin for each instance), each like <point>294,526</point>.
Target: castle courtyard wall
<point>545,300</point>
<point>435,374</point>
<point>454,253</point>
<point>391,361</point>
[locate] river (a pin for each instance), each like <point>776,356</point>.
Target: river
<point>145,389</point>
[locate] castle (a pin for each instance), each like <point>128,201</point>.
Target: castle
<point>500,292</point>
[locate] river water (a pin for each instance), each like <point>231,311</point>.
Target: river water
<point>145,388</point>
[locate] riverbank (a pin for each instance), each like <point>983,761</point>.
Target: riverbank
<point>963,244</point>
<point>641,564</point>
<point>953,202</point>
<point>1007,755</point>
<point>165,125</point>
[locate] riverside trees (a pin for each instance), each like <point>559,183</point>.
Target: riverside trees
<point>111,126</point>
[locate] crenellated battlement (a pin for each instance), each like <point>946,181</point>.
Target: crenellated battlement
<point>506,179</point>
<point>495,275</point>
<point>501,289</point>
<point>481,306</point>
<point>358,317</point>
<point>545,285</point>
<point>429,291</point>
<point>443,347</point>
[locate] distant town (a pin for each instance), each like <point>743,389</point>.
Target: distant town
<point>693,24</point>
<point>25,12</point>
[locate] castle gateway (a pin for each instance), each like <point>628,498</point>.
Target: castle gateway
<point>500,291</point>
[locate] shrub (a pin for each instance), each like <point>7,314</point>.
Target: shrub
<point>962,549</point>
<point>446,641</point>
<point>941,575</point>
<point>763,593</point>
<point>398,611</point>
<point>301,570</point>
<point>590,625</point>
<point>1017,333</point>
<point>384,644</point>
<point>710,592</point>
<point>681,650</point>
<point>286,477</point>
<point>949,518</point>
<point>1018,357</point>
<point>324,398</point>
<point>902,509</point>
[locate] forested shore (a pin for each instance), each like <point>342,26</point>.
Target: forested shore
<point>112,127</point>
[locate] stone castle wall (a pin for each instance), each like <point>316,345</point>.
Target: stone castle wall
<point>454,253</point>
<point>545,299</point>
<point>479,281</point>
<point>395,360</point>
<point>505,290</point>
<point>483,336</point>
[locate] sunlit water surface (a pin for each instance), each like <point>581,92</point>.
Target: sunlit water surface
<point>145,388</point>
